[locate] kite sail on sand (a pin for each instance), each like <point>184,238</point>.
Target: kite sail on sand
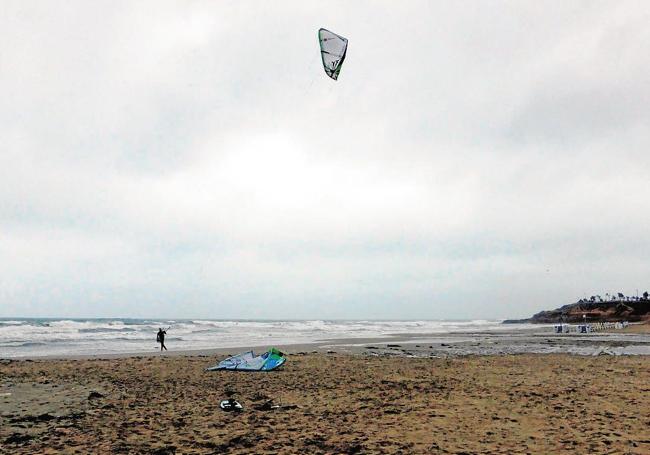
<point>247,361</point>
<point>332,50</point>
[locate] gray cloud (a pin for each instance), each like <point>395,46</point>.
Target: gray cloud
<point>193,160</point>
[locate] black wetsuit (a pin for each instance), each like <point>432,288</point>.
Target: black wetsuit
<point>161,339</point>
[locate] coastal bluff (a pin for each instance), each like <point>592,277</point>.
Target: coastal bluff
<point>632,310</point>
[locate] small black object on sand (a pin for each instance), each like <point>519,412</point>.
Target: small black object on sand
<point>270,406</point>
<point>231,405</point>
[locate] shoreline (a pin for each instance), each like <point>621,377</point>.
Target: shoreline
<point>62,338</point>
<point>114,339</point>
<point>496,342</point>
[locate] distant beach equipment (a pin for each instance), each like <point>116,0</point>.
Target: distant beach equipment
<point>584,328</point>
<point>562,328</point>
<point>589,328</point>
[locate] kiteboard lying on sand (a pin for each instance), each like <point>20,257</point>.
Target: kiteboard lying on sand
<point>247,361</point>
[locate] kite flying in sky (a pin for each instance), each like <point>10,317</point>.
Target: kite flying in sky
<point>332,49</point>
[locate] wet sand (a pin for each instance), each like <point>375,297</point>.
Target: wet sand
<point>336,403</point>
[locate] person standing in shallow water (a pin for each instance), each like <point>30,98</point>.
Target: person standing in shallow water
<point>160,338</point>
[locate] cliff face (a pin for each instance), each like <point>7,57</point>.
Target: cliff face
<point>633,311</point>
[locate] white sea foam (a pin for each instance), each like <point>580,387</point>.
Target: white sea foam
<point>33,337</point>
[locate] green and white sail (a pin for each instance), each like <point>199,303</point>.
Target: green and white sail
<point>332,49</point>
<point>248,361</point>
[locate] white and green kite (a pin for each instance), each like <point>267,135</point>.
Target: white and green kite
<point>332,49</point>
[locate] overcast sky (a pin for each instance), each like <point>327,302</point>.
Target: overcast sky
<point>191,159</point>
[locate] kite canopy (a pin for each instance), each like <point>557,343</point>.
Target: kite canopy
<point>247,361</point>
<point>332,49</point>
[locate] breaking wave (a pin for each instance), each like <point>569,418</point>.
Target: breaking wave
<point>36,337</point>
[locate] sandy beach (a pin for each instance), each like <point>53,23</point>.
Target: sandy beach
<point>330,403</point>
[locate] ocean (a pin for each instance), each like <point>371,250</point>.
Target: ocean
<point>32,337</point>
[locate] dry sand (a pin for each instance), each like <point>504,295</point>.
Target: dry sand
<point>345,404</point>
